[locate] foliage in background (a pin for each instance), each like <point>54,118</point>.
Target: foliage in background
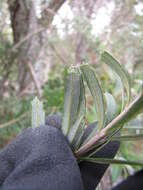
<point>11,109</point>
<point>53,91</point>
<point>71,40</point>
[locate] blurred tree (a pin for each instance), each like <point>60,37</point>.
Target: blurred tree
<point>125,32</point>
<point>29,35</point>
<point>41,35</point>
<point>84,9</point>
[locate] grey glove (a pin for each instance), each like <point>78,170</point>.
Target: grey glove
<point>39,159</point>
<point>91,173</point>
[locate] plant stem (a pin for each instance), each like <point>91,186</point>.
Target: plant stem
<point>112,161</point>
<point>13,121</point>
<point>128,138</point>
<point>129,113</point>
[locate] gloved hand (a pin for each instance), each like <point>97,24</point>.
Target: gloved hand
<point>134,182</point>
<point>91,173</point>
<point>42,159</point>
<point>39,159</point>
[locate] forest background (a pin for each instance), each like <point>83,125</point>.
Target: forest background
<point>40,39</point>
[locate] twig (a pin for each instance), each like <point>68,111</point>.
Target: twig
<point>36,82</point>
<point>57,52</point>
<point>13,121</point>
<point>131,111</point>
<point>27,37</point>
<point>51,12</point>
<point>128,138</point>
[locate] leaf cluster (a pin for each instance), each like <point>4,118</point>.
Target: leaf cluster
<point>109,120</point>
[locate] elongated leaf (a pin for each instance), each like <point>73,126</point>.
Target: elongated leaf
<point>114,64</point>
<point>71,101</point>
<point>95,89</point>
<point>128,138</point>
<point>38,114</point>
<point>116,172</point>
<point>111,108</point>
<point>77,129</point>
<point>101,144</point>
<point>135,108</point>
<point>133,127</point>
<point>78,137</point>
<point>112,161</point>
<point>92,133</point>
<point>98,148</point>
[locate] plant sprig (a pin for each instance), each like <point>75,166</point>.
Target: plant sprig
<point>108,124</point>
<point>129,113</point>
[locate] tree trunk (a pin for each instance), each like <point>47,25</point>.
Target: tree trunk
<point>24,23</point>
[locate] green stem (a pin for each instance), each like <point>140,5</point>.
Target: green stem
<point>13,121</point>
<point>128,138</point>
<point>112,161</point>
<point>129,113</point>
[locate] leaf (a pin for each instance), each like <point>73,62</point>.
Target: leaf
<point>78,127</point>
<point>38,114</point>
<point>96,92</point>
<point>128,138</point>
<point>111,161</point>
<point>71,101</point>
<point>92,133</point>
<point>116,172</point>
<point>135,108</point>
<point>121,72</point>
<point>111,108</point>
<point>98,148</point>
<point>78,138</point>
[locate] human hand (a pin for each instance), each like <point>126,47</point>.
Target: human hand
<point>91,172</point>
<point>39,159</point>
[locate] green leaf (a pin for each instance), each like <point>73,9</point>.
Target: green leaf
<point>116,172</point>
<point>95,150</point>
<point>121,72</point>
<point>135,108</point>
<point>133,127</point>
<point>111,108</point>
<point>111,161</point>
<point>92,133</point>
<point>78,127</point>
<point>96,92</point>
<point>78,137</point>
<point>71,101</point>
<point>127,138</point>
<point>38,114</point>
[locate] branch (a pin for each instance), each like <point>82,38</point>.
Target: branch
<point>57,52</point>
<point>34,77</point>
<point>27,37</point>
<point>51,11</point>
<point>129,113</point>
<point>53,6</point>
<point>13,121</point>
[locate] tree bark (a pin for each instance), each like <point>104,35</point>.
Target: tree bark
<point>24,22</point>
